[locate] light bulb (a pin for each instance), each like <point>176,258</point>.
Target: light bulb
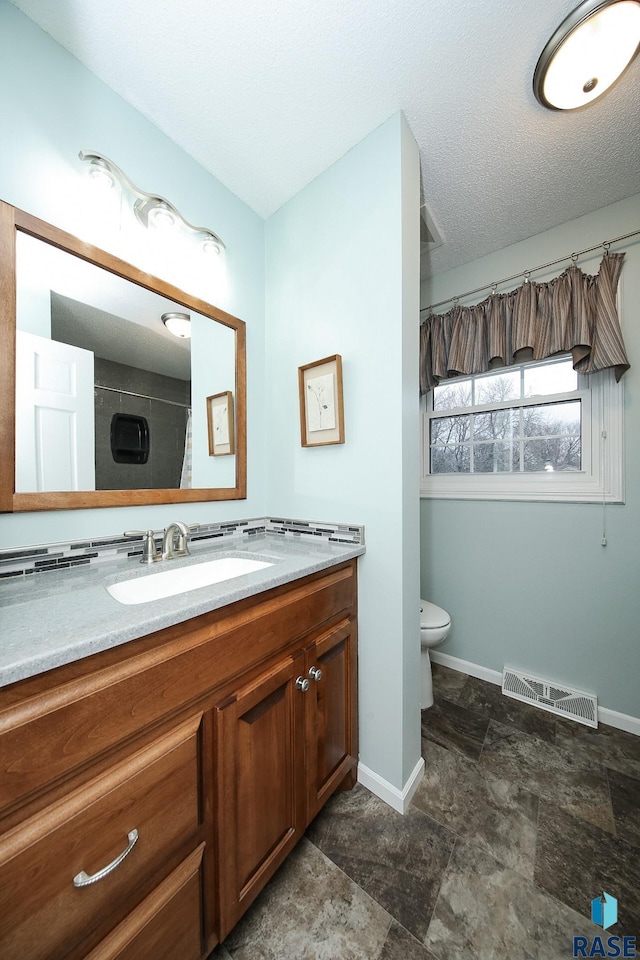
<point>211,247</point>
<point>100,176</point>
<point>160,217</point>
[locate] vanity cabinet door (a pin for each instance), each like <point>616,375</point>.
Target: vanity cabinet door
<point>260,783</point>
<point>331,666</point>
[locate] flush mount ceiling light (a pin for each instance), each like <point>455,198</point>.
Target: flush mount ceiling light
<point>179,324</point>
<point>587,53</point>
<point>151,211</point>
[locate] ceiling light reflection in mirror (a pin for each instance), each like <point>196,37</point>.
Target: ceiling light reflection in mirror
<point>65,299</point>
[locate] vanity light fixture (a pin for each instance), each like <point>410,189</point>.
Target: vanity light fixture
<point>155,214</point>
<point>587,53</point>
<point>179,324</point>
<point>101,176</point>
<point>151,210</point>
<point>212,246</point>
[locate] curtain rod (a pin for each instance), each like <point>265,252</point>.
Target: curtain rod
<point>142,396</point>
<point>526,273</point>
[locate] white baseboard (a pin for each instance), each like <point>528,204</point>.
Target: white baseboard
<point>398,799</point>
<point>465,666</point>
<point>621,721</point>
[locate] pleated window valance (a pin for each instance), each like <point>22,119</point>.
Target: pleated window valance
<point>573,313</point>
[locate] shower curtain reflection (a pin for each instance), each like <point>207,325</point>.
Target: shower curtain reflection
<point>185,477</point>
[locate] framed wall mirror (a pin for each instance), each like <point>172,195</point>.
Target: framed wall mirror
<point>100,404</point>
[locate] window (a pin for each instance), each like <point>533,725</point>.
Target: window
<point>535,431</point>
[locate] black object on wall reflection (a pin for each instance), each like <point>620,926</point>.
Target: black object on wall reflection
<point>163,402</point>
<point>129,438</point>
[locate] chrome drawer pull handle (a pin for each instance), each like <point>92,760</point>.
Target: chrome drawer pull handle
<point>302,684</point>
<point>83,879</point>
<point>315,673</point>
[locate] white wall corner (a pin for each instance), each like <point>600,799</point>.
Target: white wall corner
<point>398,799</point>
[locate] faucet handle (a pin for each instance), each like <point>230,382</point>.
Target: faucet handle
<point>150,553</point>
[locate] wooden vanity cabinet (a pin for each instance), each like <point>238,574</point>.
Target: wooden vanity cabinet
<point>216,740</point>
<point>332,713</point>
<point>259,760</point>
<point>284,743</point>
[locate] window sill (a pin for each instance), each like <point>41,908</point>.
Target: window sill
<point>574,488</point>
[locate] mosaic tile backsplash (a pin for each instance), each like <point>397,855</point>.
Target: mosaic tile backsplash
<point>46,558</point>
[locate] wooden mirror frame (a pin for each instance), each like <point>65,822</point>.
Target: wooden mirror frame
<point>12,221</point>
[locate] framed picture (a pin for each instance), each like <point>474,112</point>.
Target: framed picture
<point>220,424</point>
<point>321,408</point>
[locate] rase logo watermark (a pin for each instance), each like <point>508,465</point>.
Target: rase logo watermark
<point>604,912</point>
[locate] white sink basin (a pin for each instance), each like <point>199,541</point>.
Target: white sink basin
<point>156,586</point>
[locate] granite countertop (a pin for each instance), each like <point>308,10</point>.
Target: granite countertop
<point>57,618</point>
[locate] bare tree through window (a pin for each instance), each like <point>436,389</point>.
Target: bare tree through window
<point>489,424</point>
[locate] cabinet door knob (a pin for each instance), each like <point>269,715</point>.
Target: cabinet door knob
<point>315,673</point>
<point>83,879</point>
<point>302,684</point>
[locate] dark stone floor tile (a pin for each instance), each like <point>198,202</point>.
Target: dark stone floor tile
<point>553,774</point>
<point>400,945</point>
<point>517,882</point>
<point>488,699</point>
<point>615,749</point>
<point>220,953</point>
<point>398,860</point>
<point>447,683</point>
<point>487,912</point>
<point>576,862</point>
<point>493,813</point>
<point>455,727</point>
<point>625,800</point>
<point>310,910</point>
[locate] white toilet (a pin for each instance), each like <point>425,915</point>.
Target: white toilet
<point>435,624</point>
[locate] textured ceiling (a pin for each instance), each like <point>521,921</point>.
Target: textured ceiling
<point>266,94</point>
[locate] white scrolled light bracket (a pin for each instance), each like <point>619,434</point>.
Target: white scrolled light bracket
<point>151,210</point>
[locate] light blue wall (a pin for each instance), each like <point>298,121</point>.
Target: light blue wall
<point>336,284</point>
<point>343,261</point>
<point>51,108</point>
<point>529,584</point>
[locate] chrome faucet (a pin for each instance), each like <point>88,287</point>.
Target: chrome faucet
<point>174,543</point>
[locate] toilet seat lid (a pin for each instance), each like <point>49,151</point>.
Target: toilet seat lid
<point>432,616</point>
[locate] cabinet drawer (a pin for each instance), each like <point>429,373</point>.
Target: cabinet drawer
<point>154,790</point>
<point>167,925</point>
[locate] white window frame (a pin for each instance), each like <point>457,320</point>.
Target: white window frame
<point>600,480</point>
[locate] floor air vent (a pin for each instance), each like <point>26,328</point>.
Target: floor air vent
<point>563,701</point>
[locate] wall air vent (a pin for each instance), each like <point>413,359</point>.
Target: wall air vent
<point>430,239</point>
<point>555,698</point>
